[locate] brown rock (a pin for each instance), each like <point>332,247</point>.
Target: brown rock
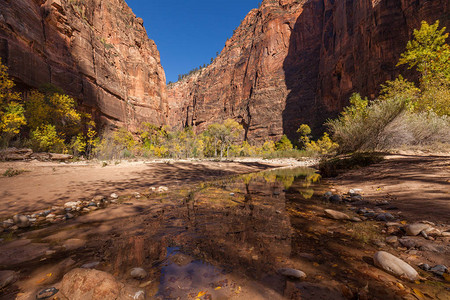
<point>15,154</point>
<point>85,284</point>
<point>91,284</point>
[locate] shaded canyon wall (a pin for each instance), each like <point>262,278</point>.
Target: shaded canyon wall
<point>297,61</point>
<point>96,50</point>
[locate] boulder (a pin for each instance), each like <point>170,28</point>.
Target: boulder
<point>394,265</point>
<point>416,228</point>
<point>337,215</point>
<point>86,284</point>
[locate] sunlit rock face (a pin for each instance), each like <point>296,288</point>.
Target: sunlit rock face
<point>297,61</point>
<point>96,50</point>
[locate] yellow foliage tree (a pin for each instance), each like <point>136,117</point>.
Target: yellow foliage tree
<point>11,110</point>
<point>322,146</point>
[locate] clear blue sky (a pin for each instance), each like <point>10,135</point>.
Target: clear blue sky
<point>189,32</point>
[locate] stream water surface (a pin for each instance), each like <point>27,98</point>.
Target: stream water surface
<point>224,239</point>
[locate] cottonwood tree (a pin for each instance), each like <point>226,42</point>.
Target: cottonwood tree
<point>12,116</point>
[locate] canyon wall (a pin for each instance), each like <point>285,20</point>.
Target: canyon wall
<point>96,50</point>
<point>297,61</point>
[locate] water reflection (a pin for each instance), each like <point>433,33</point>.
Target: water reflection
<point>239,223</point>
<point>223,238</point>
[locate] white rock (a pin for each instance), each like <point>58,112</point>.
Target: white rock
<point>163,189</point>
<point>138,273</point>
<point>337,215</point>
<point>71,204</point>
<point>139,295</point>
<point>21,221</point>
<point>416,228</point>
<point>292,273</point>
<point>394,265</point>
<point>114,196</point>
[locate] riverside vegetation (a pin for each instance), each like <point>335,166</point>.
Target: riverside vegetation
<point>405,114</point>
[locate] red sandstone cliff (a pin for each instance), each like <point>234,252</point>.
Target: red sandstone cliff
<point>96,50</point>
<point>298,61</point>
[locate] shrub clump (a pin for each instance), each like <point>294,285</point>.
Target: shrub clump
<point>404,114</point>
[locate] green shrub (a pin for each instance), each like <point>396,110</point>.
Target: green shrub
<point>360,126</point>
<point>10,172</point>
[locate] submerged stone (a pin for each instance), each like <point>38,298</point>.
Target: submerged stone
<point>138,273</point>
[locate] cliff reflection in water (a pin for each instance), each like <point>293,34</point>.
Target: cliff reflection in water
<point>238,224</point>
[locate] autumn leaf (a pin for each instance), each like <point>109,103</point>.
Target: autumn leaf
<point>201,293</point>
<point>418,294</point>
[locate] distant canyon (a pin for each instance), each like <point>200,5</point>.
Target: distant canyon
<point>289,62</point>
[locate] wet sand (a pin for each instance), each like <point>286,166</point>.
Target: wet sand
<point>46,184</point>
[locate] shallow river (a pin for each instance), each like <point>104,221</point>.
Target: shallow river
<point>215,240</point>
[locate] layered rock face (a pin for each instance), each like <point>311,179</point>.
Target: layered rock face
<point>96,50</point>
<point>297,61</point>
